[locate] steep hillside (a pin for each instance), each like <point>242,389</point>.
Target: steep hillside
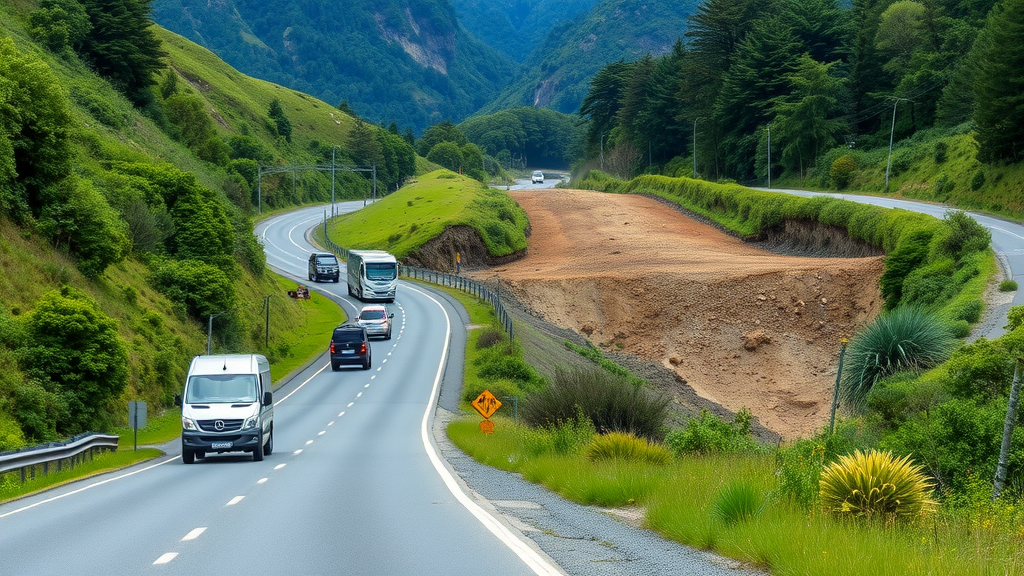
<point>404,61</point>
<point>517,27</point>
<point>557,75</point>
<point>123,228</point>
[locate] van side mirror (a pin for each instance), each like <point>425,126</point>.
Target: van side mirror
<point>391,315</point>
<point>268,399</point>
<point>177,399</point>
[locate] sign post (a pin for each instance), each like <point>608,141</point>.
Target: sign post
<point>486,404</point>
<point>136,418</point>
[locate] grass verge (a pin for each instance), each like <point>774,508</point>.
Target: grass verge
<point>306,339</point>
<point>679,501</point>
<point>11,488</point>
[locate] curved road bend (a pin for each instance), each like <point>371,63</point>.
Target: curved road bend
<point>1007,239</point>
<point>352,486</point>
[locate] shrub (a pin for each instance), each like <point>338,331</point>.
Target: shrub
<point>11,437</point>
<point>708,433</point>
<point>964,237</point>
<point>489,337</point>
<point>876,485</point>
<point>1008,286</point>
<point>982,369</point>
<point>960,328</point>
<point>943,186</point>
<point>901,262</point>
<point>907,338</point>
<point>74,349</point>
<point>941,151</point>
<point>610,402</point>
<point>201,288</point>
<point>737,502</point>
<point>978,180</point>
<point>624,446</point>
<point>508,368</point>
<point>842,170</point>
<point>968,310</point>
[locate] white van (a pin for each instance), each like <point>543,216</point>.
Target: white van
<point>227,407</point>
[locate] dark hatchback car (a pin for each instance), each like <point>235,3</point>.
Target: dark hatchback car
<point>350,345</point>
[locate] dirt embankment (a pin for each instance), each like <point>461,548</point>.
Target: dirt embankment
<point>439,252</point>
<point>743,327</point>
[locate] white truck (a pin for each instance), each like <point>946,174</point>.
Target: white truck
<point>372,275</point>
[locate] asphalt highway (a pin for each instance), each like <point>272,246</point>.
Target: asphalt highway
<point>354,485</point>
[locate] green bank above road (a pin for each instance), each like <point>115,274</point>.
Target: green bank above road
<point>404,222</point>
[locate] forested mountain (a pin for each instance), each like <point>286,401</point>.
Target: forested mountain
<point>403,61</point>
<point>827,79</point>
<point>517,27</point>
<point>558,72</point>
<point>128,184</point>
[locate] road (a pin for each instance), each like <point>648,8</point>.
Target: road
<point>354,486</point>
<point>1007,241</point>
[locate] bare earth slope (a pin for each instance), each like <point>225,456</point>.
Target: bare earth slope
<point>743,327</point>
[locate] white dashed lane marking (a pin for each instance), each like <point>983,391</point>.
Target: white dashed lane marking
<point>234,500</point>
<point>299,451</point>
<point>321,433</point>
<point>165,558</point>
<point>279,466</point>
<point>194,534</point>
<point>262,480</point>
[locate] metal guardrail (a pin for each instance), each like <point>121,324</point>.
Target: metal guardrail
<point>73,451</point>
<point>467,285</point>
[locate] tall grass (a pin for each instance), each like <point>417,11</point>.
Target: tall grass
<point>680,503</point>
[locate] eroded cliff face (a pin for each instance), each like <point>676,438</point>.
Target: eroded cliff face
<point>428,38</point>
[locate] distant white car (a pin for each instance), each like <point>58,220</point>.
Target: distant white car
<point>538,177</point>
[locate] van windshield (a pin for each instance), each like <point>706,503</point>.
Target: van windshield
<point>380,271</point>
<point>221,389</point>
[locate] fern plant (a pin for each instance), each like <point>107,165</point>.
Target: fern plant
<point>876,485</point>
<point>623,446</point>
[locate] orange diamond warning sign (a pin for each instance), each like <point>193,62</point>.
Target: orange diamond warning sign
<point>486,404</point>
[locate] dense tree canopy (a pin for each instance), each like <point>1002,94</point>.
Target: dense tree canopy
<point>122,46</point>
<point>821,74</point>
<point>75,354</point>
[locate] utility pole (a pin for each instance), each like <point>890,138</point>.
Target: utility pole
<point>602,151</point>
<point>334,148</point>
<point>259,189</point>
<point>892,131</point>
<point>769,155</point>
<point>1011,418</point>
<point>266,325</point>
<point>209,334</point>
<point>695,148</point>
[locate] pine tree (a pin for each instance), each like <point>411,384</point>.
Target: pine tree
<point>999,85</point>
<point>284,126</point>
<point>122,46</point>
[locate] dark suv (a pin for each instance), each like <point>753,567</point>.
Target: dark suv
<point>323,266</point>
<point>349,345</point>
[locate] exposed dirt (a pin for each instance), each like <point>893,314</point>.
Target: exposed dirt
<point>439,252</point>
<point>743,327</point>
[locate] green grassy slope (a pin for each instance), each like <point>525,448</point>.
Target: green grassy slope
<point>937,165</point>
<point>160,338</point>
<point>405,220</point>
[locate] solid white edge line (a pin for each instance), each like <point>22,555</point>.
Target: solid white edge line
<point>194,534</point>
<point>165,558</point>
<point>528,555</point>
<point>84,488</point>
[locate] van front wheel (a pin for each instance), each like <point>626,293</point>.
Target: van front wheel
<point>257,452</point>
<point>268,448</point>
<point>187,456</point>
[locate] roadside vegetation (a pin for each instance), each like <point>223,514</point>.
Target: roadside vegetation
<point>127,198</point>
<point>403,221</point>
